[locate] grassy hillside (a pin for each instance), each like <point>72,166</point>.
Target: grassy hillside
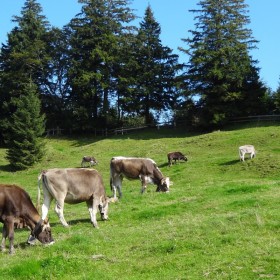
<point>221,219</point>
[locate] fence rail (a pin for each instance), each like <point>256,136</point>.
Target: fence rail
<point>259,118</point>
<point>125,130</point>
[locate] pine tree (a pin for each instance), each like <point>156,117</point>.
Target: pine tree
<point>156,70</point>
<point>26,127</point>
<point>219,58</point>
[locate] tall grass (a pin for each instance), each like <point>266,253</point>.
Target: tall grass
<point>221,219</point>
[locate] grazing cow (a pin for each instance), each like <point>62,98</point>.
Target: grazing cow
<point>246,149</point>
<point>133,168</point>
<point>17,211</point>
<point>175,156</point>
<point>91,160</point>
<point>73,185</point>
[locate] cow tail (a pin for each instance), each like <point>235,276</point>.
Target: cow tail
<point>38,192</point>
<point>111,179</point>
<point>111,184</point>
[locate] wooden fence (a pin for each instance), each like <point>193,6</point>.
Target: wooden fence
<point>261,118</point>
<point>125,130</point>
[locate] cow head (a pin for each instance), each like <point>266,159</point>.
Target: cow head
<point>42,232</point>
<point>103,208</point>
<point>164,185</point>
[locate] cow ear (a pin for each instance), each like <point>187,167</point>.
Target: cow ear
<point>46,220</point>
<point>37,226</point>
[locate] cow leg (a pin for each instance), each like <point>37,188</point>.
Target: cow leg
<point>59,211</point>
<point>9,232</point>
<point>144,184</point>
<point>46,204</point>
<point>4,236</point>
<point>117,185</point>
<point>93,209</point>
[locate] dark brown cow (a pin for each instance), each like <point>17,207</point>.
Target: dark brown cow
<point>144,169</point>
<point>17,210</point>
<point>175,156</point>
<point>73,185</point>
<point>90,160</point>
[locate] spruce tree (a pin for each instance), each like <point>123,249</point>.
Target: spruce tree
<point>22,58</point>
<point>219,59</point>
<point>156,70</point>
<point>26,127</point>
<point>276,99</point>
<point>94,58</point>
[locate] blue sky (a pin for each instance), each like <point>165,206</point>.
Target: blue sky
<point>175,21</point>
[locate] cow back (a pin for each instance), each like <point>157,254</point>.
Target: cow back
<point>17,202</point>
<point>74,184</point>
<point>132,167</point>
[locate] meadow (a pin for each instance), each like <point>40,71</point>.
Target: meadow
<point>220,220</point>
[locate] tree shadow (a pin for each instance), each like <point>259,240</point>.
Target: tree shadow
<point>7,168</point>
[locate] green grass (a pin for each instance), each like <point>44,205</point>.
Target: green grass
<point>221,219</point>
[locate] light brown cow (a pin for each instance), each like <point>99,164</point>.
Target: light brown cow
<point>17,210</point>
<point>144,169</point>
<point>73,185</point>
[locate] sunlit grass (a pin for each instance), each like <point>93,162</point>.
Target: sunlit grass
<point>219,221</point>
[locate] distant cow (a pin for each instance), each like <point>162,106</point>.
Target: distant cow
<point>73,185</point>
<point>246,149</point>
<point>17,211</point>
<point>91,160</point>
<point>175,156</point>
<point>144,169</point>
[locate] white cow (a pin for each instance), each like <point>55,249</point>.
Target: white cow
<point>246,149</point>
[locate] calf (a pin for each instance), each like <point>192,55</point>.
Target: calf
<point>91,160</point>
<point>17,210</point>
<point>175,156</point>
<point>246,149</point>
<point>144,169</point>
<point>73,185</point>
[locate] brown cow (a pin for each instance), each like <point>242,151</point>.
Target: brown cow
<point>17,210</point>
<point>144,169</point>
<point>175,156</point>
<point>73,185</point>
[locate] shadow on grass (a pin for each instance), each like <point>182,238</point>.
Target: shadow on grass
<point>163,165</point>
<point>231,162</point>
<point>75,222</point>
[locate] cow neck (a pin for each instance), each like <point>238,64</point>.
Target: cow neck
<point>157,176</point>
<point>32,220</point>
